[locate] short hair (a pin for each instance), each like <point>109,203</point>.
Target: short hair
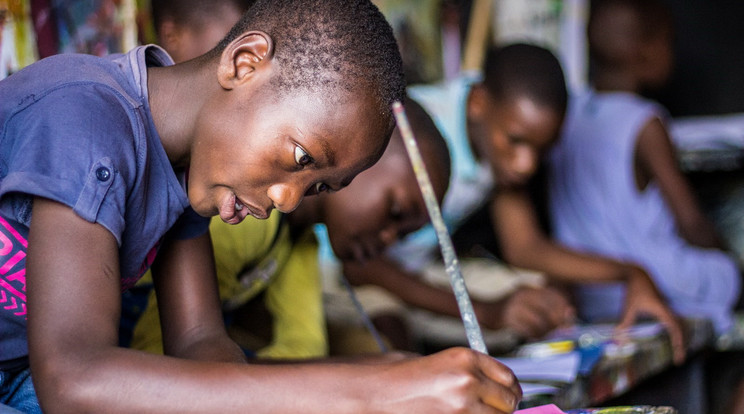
<point>429,139</point>
<point>191,12</point>
<point>525,70</point>
<point>322,45</point>
<point>611,35</point>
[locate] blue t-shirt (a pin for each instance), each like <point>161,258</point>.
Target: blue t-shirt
<point>77,129</point>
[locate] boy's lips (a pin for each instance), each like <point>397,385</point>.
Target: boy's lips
<point>233,210</point>
<point>256,212</point>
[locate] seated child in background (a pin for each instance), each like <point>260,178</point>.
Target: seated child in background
<point>189,28</point>
<point>503,298</point>
<point>278,257</point>
<point>615,186</point>
<point>530,312</point>
<point>498,129</point>
<point>115,157</point>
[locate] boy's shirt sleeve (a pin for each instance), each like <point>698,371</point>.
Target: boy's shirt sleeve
<point>295,300</point>
<point>52,149</point>
<point>189,225</point>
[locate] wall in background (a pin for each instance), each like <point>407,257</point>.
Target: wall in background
<point>709,74</point>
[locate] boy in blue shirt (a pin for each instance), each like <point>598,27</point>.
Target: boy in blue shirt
<point>119,160</point>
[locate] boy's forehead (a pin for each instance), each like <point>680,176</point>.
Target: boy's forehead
<point>338,124</point>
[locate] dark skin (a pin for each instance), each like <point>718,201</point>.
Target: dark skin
<point>384,204</point>
<point>238,165</point>
<point>646,65</point>
<point>184,42</point>
<point>530,312</point>
<point>513,135</point>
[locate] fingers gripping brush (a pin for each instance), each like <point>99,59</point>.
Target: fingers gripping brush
<point>452,266</point>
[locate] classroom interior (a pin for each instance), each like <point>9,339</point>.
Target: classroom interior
<point>442,39</point>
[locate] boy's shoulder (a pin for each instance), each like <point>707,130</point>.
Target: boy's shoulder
<point>121,75</point>
<point>58,71</point>
<point>613,105</point>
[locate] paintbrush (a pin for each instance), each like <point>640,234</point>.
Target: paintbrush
<point>452,266</point>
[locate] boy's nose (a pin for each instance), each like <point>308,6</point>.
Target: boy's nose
<point>285,197</point>
<point>525,161</point>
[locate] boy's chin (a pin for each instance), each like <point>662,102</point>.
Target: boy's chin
<point>207,213</point>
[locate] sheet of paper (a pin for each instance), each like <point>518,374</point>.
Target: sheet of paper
<point>560,368</point>
<point>530,388</point>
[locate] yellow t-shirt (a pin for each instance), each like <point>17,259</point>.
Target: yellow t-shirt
<point>251,257</point>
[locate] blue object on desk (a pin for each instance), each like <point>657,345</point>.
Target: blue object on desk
<point>590,355</point>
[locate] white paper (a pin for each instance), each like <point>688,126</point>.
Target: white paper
<point>558,368</point>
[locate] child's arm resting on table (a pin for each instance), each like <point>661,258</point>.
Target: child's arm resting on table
<point>526,245</point>
<point>74,305</point>
<point>529,312</point>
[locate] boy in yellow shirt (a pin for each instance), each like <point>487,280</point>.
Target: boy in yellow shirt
<point>272,265</point>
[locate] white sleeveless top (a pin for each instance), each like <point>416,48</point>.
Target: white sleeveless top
<point>595,207</point>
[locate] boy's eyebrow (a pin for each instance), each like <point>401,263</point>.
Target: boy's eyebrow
<point>328,152</point>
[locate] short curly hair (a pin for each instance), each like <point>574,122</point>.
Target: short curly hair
<point>191,12</point>
<point>328,46</point>
<point>522,69</point>
<point>612,38</point>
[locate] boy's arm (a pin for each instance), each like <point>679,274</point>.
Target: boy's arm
<point>656,158</point>
<point>525,245</point>
<point>188,302</point>
<point>74,307</point>
<point>529,312</point>
<point>405,285</point>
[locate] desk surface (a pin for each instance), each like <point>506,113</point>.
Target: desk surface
<point>615,373</point>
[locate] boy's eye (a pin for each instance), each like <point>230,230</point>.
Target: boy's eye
<point>321,187</point>
<point>301,157</point>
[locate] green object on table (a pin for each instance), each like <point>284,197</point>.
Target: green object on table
<point>637,409</point>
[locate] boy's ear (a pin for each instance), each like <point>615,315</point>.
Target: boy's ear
<point>242,57</point>
<point>477,102</point>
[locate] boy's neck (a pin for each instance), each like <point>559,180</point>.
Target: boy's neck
<point>176,95</point>
<point>615,81</point>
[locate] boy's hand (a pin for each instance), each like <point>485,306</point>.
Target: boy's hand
<point>456,380</point>
<point>642,298</point>
<point>530,312</point>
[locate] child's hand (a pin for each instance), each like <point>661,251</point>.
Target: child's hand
<point>530,312</point>
<point>642,298</point>
<point>456,380</point>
